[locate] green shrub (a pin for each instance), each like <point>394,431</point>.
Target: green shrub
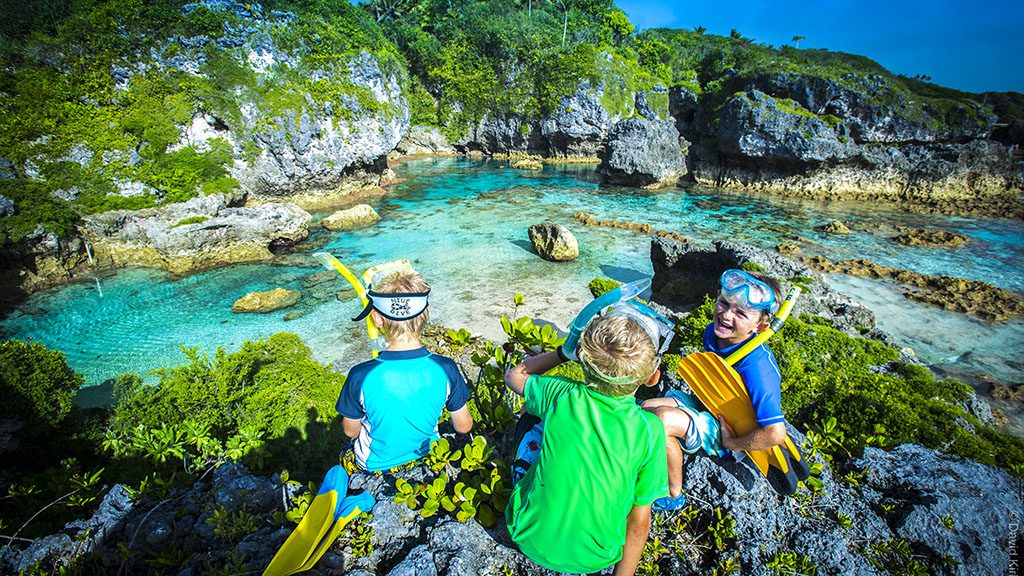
<point>599,286</point>
<point>189,220</point>
<point>37,385</point>
<point>272,388</point>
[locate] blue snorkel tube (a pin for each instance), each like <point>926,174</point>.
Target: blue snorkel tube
<point>610,298</point>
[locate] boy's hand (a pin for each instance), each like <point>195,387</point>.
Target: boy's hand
<point>726,431</point>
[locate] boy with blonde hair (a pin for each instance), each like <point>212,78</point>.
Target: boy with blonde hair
<point>390,405</point>
<point>585,502</point>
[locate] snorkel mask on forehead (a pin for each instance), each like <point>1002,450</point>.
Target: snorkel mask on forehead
<point>618,302</point>
<point>747,291</point>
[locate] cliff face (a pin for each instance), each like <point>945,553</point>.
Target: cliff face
<point>807,136</point>
<point>229,101</point>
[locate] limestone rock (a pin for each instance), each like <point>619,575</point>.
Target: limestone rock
<point>203,232</point>
<point>836,227</point>
<point>355,217</point>
<point>940,238</point>
<point>422,140</point>
<point>684,273</point>
<point>528,164</point>
<point>788,249</point>
<point>554,242</point>
<point>269,301</point>
<point>973,297</point>
<point>6,206</point>
<point>980,503</point>
<point>643,153</point>
<point>756,125</point>
<point>315,155</point>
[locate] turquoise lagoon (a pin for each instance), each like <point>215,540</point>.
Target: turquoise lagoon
<point>463,225</point>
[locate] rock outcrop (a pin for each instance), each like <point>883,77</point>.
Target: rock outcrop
<point>200,233</point>
<point>684,273</point>
<point>940,238</point>
<point>643,153</point>
<point>939,510</point>
<point>357,216</point>
<point>268,301</point>
<point>424,140</point>
<point>807,136</point>
<point>972,297</point>
<point>554,242</point>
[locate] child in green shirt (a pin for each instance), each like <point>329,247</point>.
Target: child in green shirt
<point>585,503</point>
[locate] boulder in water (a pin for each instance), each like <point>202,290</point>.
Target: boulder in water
<point>835,227</point>
<point>939,238</point>
<point>357,216</point>
<point>269,301</point>
<point>554,242</point>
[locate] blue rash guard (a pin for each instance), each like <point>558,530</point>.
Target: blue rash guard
<point>759,372</point>
<point>399,396</point>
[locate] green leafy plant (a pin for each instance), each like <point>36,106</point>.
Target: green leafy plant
<point>458,339</point>
<point>722,529</point>
<point>441,455</point>
<point>476,454</point>
<point>189,220</point>
<point>232,525</point>
<point>406,494</point>
<point>433,494</point>
<point>359,536</point>
<point>789,563</point>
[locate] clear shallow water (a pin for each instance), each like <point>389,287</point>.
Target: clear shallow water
<point>463,225</point>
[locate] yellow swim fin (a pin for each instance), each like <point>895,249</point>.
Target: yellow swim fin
<point>330,511</point>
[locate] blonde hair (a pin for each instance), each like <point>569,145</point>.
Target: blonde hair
<point>617,346</point>
<point>776,287</point>
<point>398,283</point>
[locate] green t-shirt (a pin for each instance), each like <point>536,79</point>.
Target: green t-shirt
<point>599,457</point>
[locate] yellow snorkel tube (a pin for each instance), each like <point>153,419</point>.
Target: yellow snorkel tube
<point>773,327</point>
<point>331,263</point>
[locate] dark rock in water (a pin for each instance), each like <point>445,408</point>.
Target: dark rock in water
<point>685,273</point>
<point>646,153</point>
<point>835,227</point>
<point>320,277</point>
<point>554,242</point>
<point>941,238</point>
<point>788,249</point>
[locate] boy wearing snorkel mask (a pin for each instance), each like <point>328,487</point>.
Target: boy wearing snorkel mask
<point>390,405</point>
<point>584,502</point>
<point>745,305</point>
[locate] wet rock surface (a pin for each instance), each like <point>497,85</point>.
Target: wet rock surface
<point>940,238</point>
<point>972,297</point>
<point>358,216</point>
<point>554,242</point>
<point>268,301</point>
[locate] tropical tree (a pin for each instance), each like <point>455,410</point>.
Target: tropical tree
<point>735,34</point>
<point>699,30</point>
<point>797,39</point>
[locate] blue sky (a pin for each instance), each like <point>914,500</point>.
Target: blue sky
<point>974,46</point>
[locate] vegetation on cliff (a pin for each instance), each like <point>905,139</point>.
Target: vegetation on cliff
<point>95,96</point>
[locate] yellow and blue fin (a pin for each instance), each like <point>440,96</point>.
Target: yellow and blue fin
<point>329,513</point>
